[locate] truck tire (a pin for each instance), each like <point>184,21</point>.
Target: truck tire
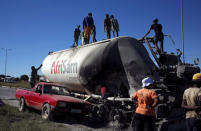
<point>22,105</point>
<point>46,112</point>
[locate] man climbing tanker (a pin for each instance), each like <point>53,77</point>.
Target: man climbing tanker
<point>120,64</point>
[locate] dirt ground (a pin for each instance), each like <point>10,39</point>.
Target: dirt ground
<point>11,119</point>
<point>31,119</point>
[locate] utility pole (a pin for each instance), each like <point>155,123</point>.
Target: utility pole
<point>6,53</point>
<point>182,29</point>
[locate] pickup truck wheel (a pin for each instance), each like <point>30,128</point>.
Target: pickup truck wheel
<point>46,112</point>
<point>22,105</point>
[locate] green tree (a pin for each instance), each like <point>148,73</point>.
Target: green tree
<point>17,79</point>
<point>24,77</point>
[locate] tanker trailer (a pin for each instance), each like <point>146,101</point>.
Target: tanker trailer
<point>119,63</point>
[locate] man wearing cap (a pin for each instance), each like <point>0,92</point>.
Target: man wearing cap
<point>191,102</point>
<point>146,100</point>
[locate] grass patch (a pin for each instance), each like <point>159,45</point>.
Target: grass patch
<point>11,119</point>
<point>22,84</point>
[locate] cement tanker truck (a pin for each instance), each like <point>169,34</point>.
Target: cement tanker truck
<point>120,64</point>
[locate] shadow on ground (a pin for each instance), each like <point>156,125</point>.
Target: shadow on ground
<point>79,120</point>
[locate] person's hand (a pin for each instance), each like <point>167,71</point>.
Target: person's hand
<point>198,109</point>
<point>149,106</point>
<point>135,102</point>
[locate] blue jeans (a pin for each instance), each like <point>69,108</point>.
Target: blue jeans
<point>193,124</point>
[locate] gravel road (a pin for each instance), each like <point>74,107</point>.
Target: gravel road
<point>7,96</point>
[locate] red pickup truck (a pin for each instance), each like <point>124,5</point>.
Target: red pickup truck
<point>51,98</point>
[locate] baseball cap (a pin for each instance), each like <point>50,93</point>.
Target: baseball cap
<point>147,81</point>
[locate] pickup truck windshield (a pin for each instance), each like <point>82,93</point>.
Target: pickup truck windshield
<point>56,90</point>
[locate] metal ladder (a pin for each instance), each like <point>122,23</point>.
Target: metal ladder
<point>154,53</point>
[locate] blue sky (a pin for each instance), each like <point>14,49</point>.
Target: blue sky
<point>32,28</point>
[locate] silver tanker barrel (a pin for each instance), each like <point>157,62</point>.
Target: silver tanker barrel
<point>120,63</point>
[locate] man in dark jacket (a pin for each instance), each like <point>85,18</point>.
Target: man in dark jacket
<point>107,26</point>
<point>88,23</point>
<point>94,33</point>
<point>158,35</point>
<point>34,75</point>
<point>114,26</point>
<point>76,35</point>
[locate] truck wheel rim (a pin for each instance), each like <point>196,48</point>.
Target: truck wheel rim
<point>21,104</point>
<point>46,113</point>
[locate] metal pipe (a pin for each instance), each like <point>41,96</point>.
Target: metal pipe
<point>99,97</point>
<point>6,54</point>
<point>182,30</point>
<point>5,64</point>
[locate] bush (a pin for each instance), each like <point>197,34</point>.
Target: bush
<point>24,77</point>
<point>17,79</point>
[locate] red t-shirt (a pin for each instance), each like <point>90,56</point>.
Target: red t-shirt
<point>103,90</point>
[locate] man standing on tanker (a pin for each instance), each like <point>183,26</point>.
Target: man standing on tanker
<point>107,26</point>
<point>158,35</point>
<point>94,33</point>
<point>114,26</point>
<point>34,75</point>
<point>88,23</point>
<point>76,35</point>
<point>146,100</point>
